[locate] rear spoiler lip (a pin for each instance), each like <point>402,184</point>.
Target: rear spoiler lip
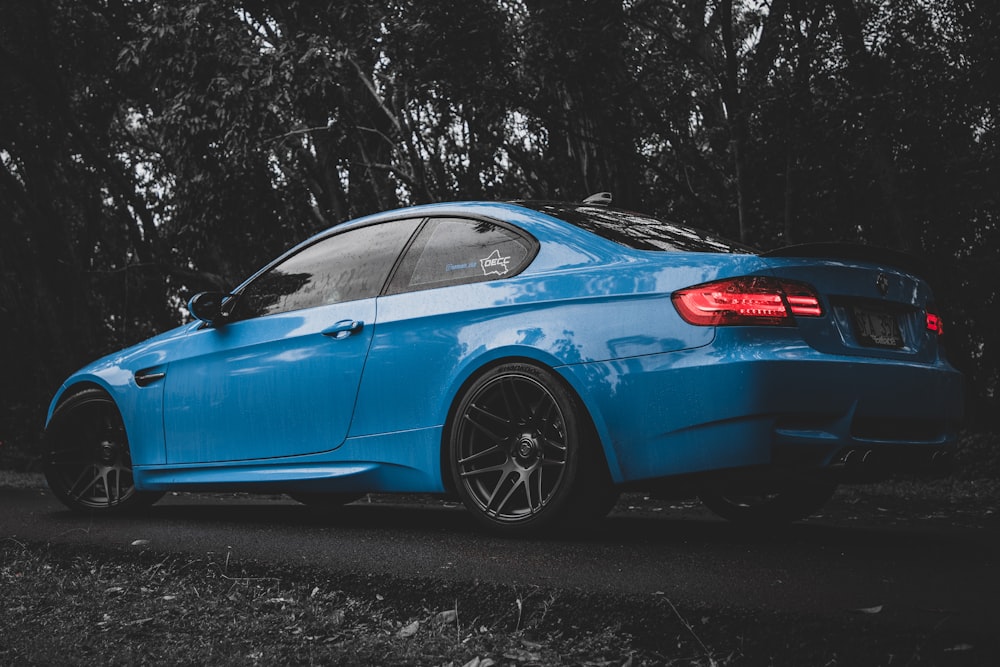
<point>856,252</point>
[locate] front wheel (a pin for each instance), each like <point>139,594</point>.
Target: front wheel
<point>87,462</point>
<point>520,453</point>
<point>771,504</point>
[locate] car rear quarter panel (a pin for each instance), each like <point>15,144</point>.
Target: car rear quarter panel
<point>427,345</point>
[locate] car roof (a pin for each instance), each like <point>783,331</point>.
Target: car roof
<point>565,220</point>
<point>564,242</point>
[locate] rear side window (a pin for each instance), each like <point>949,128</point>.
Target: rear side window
<point>347,266</point>
<point>636,230</point>
<point>455,251</point>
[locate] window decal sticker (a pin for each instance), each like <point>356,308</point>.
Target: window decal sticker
<point>459,267</point>
<point>495,264</point>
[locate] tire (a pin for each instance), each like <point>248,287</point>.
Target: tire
<point>521,454</point>
<point>774,504</point>
<point>87,463</point>
<point>325,501</point>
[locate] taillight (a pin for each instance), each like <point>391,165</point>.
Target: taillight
<point>750,300</point>
<point>935,323</point>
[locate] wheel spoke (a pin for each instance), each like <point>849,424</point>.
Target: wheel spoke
<point>96,477</point>
<point>496,488</point>
<point>557,445</point>
<point>549,405</point>
<point>531,480</point>
<point>518,483</point>
<point>512,397</point>
<point>503,467</point>
<point>483,428</point>
<point>478,455</point>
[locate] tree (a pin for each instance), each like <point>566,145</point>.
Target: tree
<point>576,84</point>
<point>150,150</point>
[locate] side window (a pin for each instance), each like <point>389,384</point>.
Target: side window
<point>455,251</point>
<point>344,267</point>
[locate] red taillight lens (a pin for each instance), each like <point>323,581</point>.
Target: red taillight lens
<point>750,300</point>
<point>935,323</point>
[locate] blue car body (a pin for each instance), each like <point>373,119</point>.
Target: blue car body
<point>356,396</point>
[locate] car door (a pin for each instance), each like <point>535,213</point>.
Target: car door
<point>280,376</point>
<point>432,305</point>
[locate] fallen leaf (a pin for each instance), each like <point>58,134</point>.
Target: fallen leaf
<point>409,630</point>
<point>520,655</point>
<point>960,647</point>
<point>869,610</point>
<point>446,616</point>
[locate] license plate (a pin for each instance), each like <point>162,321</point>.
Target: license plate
<point>877,328</point>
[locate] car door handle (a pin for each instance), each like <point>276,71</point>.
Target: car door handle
<point>344,328</point>
<point>148,376</point>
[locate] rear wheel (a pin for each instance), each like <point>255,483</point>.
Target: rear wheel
<point>87,462</point>
<point>775,503</point>
<point>519,454</point>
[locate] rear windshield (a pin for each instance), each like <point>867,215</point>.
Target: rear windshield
<point>636,230</point>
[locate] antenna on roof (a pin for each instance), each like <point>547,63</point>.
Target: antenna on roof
<point>599,199</point>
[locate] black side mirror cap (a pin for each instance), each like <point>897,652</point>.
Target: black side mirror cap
<point>207,307</point>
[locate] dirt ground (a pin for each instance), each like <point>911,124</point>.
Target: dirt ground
<point>75,605</point>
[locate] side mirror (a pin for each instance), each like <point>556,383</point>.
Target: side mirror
<point>207,306</point>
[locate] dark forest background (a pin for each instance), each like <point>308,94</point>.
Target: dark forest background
<point>152,149</point>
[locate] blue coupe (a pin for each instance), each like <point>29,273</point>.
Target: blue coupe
<point>533,359</point>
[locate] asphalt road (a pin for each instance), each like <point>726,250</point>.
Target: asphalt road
<point>916,566</point>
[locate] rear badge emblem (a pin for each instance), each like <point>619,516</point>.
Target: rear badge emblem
<point>882,282</point>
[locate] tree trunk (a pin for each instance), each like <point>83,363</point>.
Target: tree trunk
<point>865,77</point>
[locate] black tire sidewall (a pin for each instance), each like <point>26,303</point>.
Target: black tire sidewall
<point>65,411</point>
<point>558,505</point>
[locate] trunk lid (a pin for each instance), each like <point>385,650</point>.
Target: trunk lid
<point>875,302</point>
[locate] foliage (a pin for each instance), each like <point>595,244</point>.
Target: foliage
<point>149,150</point>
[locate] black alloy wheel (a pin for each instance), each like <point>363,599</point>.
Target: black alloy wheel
<point>87,462</point>
<point>517,453</point>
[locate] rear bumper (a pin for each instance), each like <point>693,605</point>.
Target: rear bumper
<point>865,463</point>
<point>781,407</point>
<point>880,442</point>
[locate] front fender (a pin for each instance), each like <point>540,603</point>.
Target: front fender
<point>141,407</point>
